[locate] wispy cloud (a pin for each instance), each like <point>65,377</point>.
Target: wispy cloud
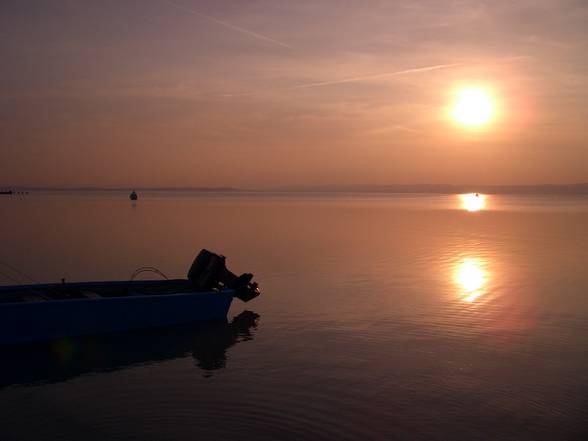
<point>230,25</point>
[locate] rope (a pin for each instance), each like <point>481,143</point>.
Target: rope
<point>8,277</point>
<point>21,273</point>
<point>17,271</point>
<point>147,269</point>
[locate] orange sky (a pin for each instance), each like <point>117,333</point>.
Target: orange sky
<point>271,93</point>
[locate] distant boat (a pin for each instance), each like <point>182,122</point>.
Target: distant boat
<point>6,192</point>
<point>133,196</point>
<point>49,311</point>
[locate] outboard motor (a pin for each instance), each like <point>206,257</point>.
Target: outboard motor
<point>209,272</point>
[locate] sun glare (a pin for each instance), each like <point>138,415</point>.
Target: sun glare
<point>473,201</point>
<point>473,107</point>
<point>472,278</point>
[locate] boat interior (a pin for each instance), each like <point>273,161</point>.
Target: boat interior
<point>93,290</point>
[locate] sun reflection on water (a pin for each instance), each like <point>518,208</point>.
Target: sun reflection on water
<point>473,201</point>
<point>471,277</point>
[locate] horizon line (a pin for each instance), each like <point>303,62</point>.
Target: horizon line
<point>576,187</point>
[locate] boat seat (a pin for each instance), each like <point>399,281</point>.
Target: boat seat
<point>34,298</point>
<point>90,294</point>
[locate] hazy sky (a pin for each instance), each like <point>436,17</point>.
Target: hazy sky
<point>267,93</point>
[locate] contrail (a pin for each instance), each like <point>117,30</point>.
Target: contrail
<point>230,26</point>
<point>378,75</point>
<point>348,80</point>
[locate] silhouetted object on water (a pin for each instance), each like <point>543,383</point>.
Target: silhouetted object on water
<point>50,311</point>
<point>6,192</point>
<point>133,196</point>
<point>61,360</point>
<point>209,271</point>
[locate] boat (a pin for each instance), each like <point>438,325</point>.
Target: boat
<point>7,192</point>
<point>133,196</point>
<point>39,312</point>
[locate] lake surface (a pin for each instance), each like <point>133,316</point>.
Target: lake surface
<point>382,317</point>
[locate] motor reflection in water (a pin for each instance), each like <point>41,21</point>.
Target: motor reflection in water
<point>65,359</point>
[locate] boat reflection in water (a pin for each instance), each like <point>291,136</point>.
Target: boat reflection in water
<point>471,278</point>
<point>65,359</point>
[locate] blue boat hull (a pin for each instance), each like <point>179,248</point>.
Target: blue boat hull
<point>47,320</point>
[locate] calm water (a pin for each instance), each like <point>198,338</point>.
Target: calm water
<point>382,317</point>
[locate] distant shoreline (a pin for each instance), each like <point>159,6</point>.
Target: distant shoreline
<point>581,188</point>
<point>544,189</point>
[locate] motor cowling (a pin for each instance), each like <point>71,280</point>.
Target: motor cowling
<point>209,272</point>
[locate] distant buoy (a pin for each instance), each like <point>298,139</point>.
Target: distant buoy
<point>133,196</point>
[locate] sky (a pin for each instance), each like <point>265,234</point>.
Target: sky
<point>270,93</point>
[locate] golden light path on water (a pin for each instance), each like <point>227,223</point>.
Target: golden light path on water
<point>471,278</point>
<point>473,201</point>
<point>470,274</point>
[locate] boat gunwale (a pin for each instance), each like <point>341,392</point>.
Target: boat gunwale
<point>51,288</point>
<point>119,299</point>
<point>103,283</point>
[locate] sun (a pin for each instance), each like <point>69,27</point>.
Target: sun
<point>473,107</point>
